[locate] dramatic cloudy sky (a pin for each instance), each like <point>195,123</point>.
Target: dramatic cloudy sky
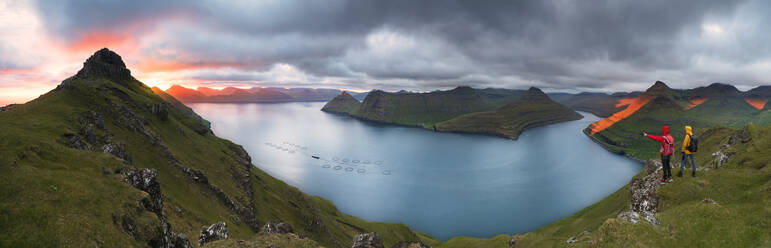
<point>558,45</point>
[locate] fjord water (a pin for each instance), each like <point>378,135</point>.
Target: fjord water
<point>441,183</point>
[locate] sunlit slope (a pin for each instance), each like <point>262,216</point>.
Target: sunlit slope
<point>700,108</point>
<point>56,195</point>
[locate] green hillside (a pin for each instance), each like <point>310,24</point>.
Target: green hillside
<point>724,105</point>
<point>342,104</point>
<point>66,157</point>
<point>533,109</point>
<point>499,112</point>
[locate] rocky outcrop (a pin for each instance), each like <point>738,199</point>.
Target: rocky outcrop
<point>721,156</point>
<point>105,64</point>
<point>246,213</point>
<point>410,244</point>
<point>367,240</point>
<point>94,136</point>
<point>147,180</point>
<point>276,228</point>
<point>644,202</point>
<point>211,233</point>
<point>118,150</point>
<point>160,110</point>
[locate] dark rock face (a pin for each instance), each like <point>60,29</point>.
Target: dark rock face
<point>181,241</point>
<point>74,141</point>
<point>367,240</point>
<point>118,149</point>
<point>105,64</point>
<point>410,244</point>
<point>276,228</point>
<point>214,232</point>
<point>147,180</point>
<point>160,110</point>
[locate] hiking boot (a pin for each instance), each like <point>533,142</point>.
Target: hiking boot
<point>680,174</point>
<point>693,174</point>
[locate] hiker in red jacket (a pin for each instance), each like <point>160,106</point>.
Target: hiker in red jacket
<point>667,147</point>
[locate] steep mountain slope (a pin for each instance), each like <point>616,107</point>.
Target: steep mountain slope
<point>421,109</point>
<point>342,104</point>
<point>716,104</point>
<point>490,111</point>
<point>426,109</point>
<point>103,161</point>
<point>533,109</point>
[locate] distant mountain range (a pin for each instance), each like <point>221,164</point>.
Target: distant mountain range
<point>253,95</point>
<point>498,112</point>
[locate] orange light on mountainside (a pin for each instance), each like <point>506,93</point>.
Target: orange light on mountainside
<point>696,102</point>
<point>757,103</point>
<point>633,104</point>
<point>625,101</point>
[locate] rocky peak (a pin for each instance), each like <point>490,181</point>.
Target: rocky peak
<point>463,90</point>
<point>105,64</point>
<point>720,88</point>
<point>658,89</point>
<point>534,94</point>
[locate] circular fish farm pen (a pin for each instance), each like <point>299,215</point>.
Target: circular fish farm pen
<point>338,167</point>
<point>386,172</point>
<point>326,166</point>
<point>348,169</point>
<point>361,171</point>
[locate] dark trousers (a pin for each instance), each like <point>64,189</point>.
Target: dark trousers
<point>665,166</point>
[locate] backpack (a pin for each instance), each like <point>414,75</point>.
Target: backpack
<point>694,144</point>
<point>669,147</point>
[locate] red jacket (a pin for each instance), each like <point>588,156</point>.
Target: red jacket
<point>667,142</point>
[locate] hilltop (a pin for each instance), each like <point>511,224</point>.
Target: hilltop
<point>464,109</point>
<point>104,160</point>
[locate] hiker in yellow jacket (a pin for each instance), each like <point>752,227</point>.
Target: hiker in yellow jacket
<point>687,153</point>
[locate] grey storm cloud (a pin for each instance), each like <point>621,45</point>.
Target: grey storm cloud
<point>423,44</point>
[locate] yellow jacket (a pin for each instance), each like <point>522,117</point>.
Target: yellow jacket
<point>687,140</point>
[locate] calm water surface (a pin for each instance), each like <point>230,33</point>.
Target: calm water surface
<point>440,183</point>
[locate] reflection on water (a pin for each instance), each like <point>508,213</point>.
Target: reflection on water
<point>440,183</point>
